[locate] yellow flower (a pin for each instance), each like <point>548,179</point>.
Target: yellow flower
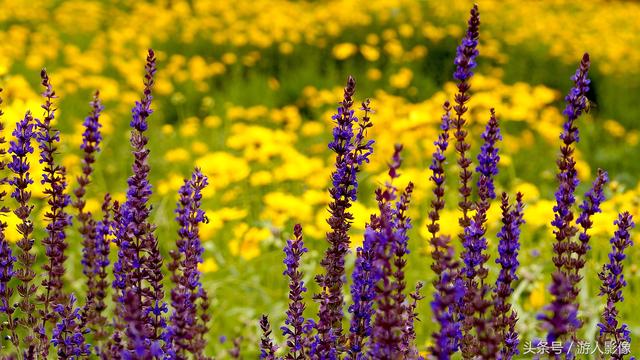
<point>246,242</point>
<point>212,121</point>
<point>374,74</point>
<point>176,155</point>
<point>209,265</point>
<point>370,52</point>
<point>401,79</point>
<point>344,51</point>
<point>537,297</point>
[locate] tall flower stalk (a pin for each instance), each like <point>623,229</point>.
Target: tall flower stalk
<point>139,264</point>
<point>465,62</point>
<point>54,179</point>
<point>91,138</point>
<point>7,259</point>
<point>21,182</point>
<point>183,330</point>
<point>613,282</point>
<point>294,322</point>
<point>352,151</point>
<point>504,317</point>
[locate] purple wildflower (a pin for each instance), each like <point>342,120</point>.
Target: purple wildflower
<point>567,175</point>
<point>363,294</point>
<point>68,334</point>
<point>449,291</point>
<point>590,206</point>
<point>438,178</point>
<point>488,158</point>
<point>184,267</point>
<point>504,318</point>
<point>352,151</point>
<point>293,329</point>
<point>139,265</point>
<point>389,233</point>
<point>465,62</point>
<point>613,283</point>
<point>103,229</point>
<point>7,259</point>
<point>21,181</point>
<point>57,219</point>
<point>475,244</point>
<point>267,347</point>
<point>563,315</point>
<point>90,145</point>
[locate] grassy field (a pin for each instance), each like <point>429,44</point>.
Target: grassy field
<point>246,89</point>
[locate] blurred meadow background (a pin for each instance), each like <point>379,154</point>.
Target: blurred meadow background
<point>246,89</point>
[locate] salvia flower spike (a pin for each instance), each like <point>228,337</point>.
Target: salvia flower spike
<point>567,174</point>
<point>54,179</point>
<point>352,151</point>
<point>613,282</point>
<point>91,138</point>
<point>184,325</point>
<point>504,317</point>
<point>465,61</point>
<point>21,182</point>
<point>294,322</point>
<point>7,259</point>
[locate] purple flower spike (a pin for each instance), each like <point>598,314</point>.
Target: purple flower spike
<point>488,158</point>
<point>449,291</point>
<point>590,206</point>
<point>267,347</point>
<point>294,323</point>
<point>68,334</point>
<point>465,61</point>
<point>468,50</point>
<point>504,317</point>
<point>563,315</point>
<point>613,283</point>
<point>352,151</point>
<point>185,329</point>
<point>388,231</point>
<point>90,145</point>
<point>363,294</point>
<point>54,179</point>
<point>477,332</point>
<point>7,259</point>
<point>21,181</point>
<point>139,264</point>
<point>567,174</point>
<point>438,178</point>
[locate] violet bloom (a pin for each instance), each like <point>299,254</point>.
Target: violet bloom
<point>267,348</point>
<point>90,145</point>
<point>389,237</point>
<point>438,178</point>
<point>57,219</point>
<point>139,264</point>
<point>590,206</point>
<point>567,174</point>
<point>352,151</point>
<point>7,259</point>
<point>613,283</point>
<point>102,249</point>
<point>477,332</point>
<point>21,181</point>
<point>562,315</point>
<point>465,61</point>
<point>294,323</point>
<point>488,158</point>
<point>362,294</point>
<point>68,334</point>
<point>184,267</point>
<point>449,291</point>
<point>504,317</point>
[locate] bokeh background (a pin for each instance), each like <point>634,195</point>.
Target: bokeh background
<point>246,89</point>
